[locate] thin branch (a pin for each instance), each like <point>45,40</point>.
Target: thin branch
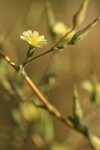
<point>7,59</point>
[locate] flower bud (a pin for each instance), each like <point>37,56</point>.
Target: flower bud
<point>78,18</point>
<point>80,35</point>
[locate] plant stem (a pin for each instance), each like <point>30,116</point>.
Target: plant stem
<point>43,100</point>
<point>54,111</point>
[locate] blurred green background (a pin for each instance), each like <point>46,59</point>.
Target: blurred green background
<point>74,65</point>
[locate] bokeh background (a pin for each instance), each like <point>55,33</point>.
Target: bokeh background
<point>74,65</point>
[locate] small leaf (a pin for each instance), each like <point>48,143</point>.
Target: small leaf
<point>80,35</point>
<point>83,129</point>
<point>78,18</point>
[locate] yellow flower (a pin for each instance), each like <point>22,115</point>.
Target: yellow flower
<point>61,29</point>
<point>33,38</point>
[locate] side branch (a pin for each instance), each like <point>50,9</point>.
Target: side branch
<point>43,100</point>
<point>54,111</point>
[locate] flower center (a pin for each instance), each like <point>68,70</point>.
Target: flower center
<point>34,41</point>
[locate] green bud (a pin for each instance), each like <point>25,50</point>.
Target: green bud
<point>80,35</point>
<point>95,94</point>
<point>78,18</point>
<point>61,46</point>
<point>30,52</point>
<point>95,142</point>
<point>77,112</point>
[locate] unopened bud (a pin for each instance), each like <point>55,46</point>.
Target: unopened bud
<point>80,35</point>
<point>78,18</point>
<point>77,112</point>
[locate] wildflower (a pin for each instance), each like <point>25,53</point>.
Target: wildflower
<point>61,29</point>
<point>33,38</point>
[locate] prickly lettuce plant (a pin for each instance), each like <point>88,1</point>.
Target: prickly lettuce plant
<point>31,110</point>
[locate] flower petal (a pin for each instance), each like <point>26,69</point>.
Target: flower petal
<point>33,38</point>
